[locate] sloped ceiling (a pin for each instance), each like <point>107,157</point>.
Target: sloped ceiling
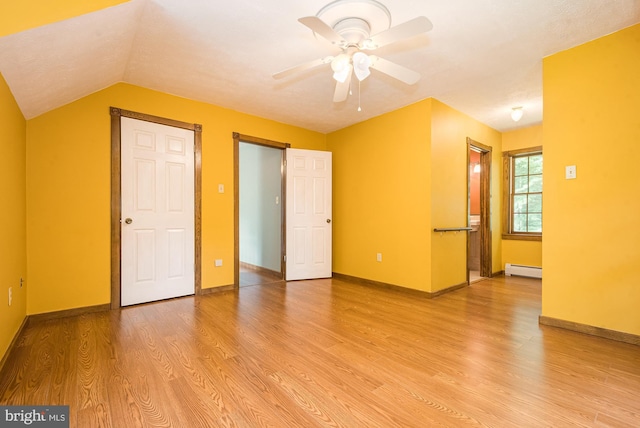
<point>482,56</point>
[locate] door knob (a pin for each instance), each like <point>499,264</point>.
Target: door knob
<point>328,220</point>
<point>128,220</point>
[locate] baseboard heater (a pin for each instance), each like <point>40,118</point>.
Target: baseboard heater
<point>521,270</point>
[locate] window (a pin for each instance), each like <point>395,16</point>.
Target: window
<point>522,202</point>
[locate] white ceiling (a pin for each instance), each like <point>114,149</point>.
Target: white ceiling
<point>482,56</point>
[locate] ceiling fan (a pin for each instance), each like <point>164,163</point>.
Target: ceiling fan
<point>355,27</point>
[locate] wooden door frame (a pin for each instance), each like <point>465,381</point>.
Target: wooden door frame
<point>486,266</point>
<point>241,138</point>
<point>116,197</point>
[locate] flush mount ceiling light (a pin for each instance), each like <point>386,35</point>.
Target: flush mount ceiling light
<point>355,26</point>
<point>516,113</point>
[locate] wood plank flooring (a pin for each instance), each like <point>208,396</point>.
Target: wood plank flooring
<point>249,276</point>
<point>327,353</point>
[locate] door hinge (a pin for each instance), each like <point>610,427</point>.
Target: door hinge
<point>285,258</point>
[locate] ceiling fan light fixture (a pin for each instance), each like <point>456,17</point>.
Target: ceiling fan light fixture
<point>361,64</point>
<point>341,66</point>
<point>339,63</point>
<point>516,113</point>
<point>341,76</point>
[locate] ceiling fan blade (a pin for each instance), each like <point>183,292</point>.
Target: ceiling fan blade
<point>394,70</point>
<point>320,27</point>
<point>302,67</point>
<point>411,28</point>
<point>342,88</point>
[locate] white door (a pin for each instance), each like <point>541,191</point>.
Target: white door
<point>158,232</point>
<point>308,246</point>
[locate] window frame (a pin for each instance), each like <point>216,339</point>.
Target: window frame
<point>507,208</point>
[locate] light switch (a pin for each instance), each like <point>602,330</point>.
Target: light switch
<point>220,188</point>
<point>570,172</point>
<point>218,262</point>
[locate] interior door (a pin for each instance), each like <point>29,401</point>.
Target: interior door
<point>158,232</point>
<point>308,214</point>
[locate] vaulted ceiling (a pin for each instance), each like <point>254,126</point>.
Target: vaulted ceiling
<point>482,57</point>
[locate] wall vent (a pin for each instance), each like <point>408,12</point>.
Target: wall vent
<point>521,270</point>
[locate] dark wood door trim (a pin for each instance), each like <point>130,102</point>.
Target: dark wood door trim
<point>116,199</point>
<point>486,269</point>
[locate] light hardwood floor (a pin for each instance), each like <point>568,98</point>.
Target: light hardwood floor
<point>249,276</point>
<point>327,353</point>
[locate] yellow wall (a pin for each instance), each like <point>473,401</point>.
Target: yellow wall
<point>591,251</point>
<point>513,251</point>
<point>13,263</point>
<point>381,193</point>
<point>20,15</point>
<point>522,138</point>
<point>450,130</point>
<point>397,176</point>
<point>68,188</point>
<point>528,253</point>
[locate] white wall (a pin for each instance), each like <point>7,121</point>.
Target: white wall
<point>260,215</point>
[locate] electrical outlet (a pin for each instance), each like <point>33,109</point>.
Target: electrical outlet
<point>379,257</point>
<point>570,172</point>
<point>10,295</point>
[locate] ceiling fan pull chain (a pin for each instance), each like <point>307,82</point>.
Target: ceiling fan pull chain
<point>359,109</point>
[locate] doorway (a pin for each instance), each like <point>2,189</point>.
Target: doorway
<point>479,260</point>
<point>260,169</point>
<point>259,210</point>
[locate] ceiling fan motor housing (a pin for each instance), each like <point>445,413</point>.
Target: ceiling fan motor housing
<point>356,20</point>
<point>353,30</point>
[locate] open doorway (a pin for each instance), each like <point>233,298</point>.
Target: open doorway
<point>479,263</point>
<point>473,255</point>
<point>259,230</point>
